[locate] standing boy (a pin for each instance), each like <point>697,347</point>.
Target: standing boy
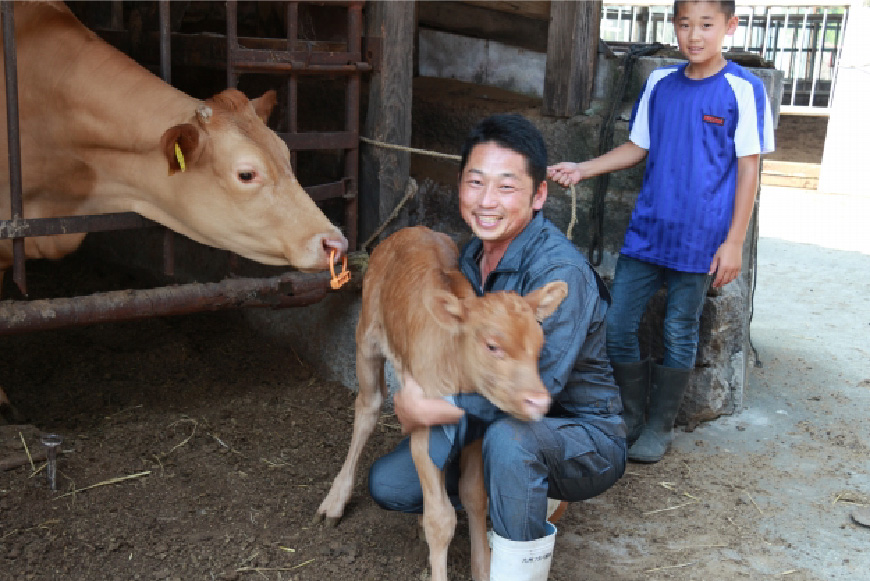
<point>703,125</point>
<point>578,449</point>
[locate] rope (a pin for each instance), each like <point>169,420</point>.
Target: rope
<point>410,149</point>
<point>573,220</point>
<point>410,191</point>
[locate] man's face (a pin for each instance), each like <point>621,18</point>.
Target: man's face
<point>701,28</point>
<point>497,197</point>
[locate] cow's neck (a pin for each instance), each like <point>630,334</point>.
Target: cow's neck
<point>109,116</point>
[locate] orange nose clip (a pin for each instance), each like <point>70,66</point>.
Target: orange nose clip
<point>338,280</point>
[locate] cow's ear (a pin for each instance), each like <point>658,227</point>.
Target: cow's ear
<point>181,145</point>
<point>264,104</point>
<point>446,308</point>
<point>547,299</point>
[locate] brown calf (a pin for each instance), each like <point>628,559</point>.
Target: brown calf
<point>453,342</point>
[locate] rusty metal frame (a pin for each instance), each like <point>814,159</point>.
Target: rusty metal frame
<point>294,62</point>
<point>287,290</point>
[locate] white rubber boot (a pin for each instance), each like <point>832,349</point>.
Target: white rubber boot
<point>522,561</point>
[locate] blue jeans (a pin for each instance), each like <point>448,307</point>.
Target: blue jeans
<point>524,463</point>
<point>634,284</point>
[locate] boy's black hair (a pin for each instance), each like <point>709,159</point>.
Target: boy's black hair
<point>727,7</point>
<point>513,132</point>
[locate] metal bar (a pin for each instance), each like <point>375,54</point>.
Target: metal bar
<point>292,19</point>
<point>321,140</point>
<point>817,61</point>
<point>841,34</point>
<point>631,24</point>
<point>328,191</point>
<point>10,59</point>
<point>748,35</point>
<point>351,156</point>
<point>117,17</point>
<point>766,31</point>
<point>72,225</point>
<point>798,53</point>
<point>232,42</point>
<point>166,73</point>
<point>287,290</point>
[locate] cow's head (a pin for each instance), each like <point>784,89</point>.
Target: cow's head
<point>501,338</point>
<point>234,187</point>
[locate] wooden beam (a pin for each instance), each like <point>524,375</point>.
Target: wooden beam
<point>481,22</point>
<point>537,9</point>
<point>572,50</point>
<point>384,172</point>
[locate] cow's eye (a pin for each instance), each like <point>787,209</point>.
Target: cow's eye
<point>494,349</point>
<point>247,176</point>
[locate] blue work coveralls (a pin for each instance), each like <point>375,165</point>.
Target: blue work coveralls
<point>578,450</point>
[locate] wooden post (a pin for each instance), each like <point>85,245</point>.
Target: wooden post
<point>384,172</point>
<point>572,50</point>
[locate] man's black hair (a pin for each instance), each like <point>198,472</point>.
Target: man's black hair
<point>513,132</point>
<point>727,7</point>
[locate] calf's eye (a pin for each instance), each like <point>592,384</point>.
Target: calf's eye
<point>247,177</point>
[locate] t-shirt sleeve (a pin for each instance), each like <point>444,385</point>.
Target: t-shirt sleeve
<point>754,132</point>
<point>638,126</point>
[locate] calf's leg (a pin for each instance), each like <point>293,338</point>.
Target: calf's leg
<point>472,493</point>
<point>372,388</point>
<point>439,518</point>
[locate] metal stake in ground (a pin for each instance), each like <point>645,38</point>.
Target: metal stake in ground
<point>51,443</point>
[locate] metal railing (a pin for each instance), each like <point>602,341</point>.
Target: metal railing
<point>802,40</point>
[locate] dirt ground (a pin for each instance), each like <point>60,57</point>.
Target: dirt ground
<point>196,448</point>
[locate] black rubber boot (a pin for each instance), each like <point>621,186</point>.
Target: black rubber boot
<point>633,382</point>
<point>668,385</point>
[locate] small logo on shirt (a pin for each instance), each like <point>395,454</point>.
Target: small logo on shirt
<point>714,120</point>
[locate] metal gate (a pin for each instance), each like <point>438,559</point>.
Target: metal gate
<point>295,58</point>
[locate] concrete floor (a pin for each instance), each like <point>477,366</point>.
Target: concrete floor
<point>805,417</point>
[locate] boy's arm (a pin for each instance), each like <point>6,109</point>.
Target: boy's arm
<point>567,173</point>
<point>728,258</point>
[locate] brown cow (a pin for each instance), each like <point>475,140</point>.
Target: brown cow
<point>453,342</point>
<point>99,133</point>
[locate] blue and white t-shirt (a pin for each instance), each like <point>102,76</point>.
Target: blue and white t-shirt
<point>694,131</point>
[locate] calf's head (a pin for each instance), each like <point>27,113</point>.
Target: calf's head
<point>499,338</point>
<point>233,186</point>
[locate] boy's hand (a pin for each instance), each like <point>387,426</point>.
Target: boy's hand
<point>565,174</point>
<point>726,263</point>
<point>415,410</point>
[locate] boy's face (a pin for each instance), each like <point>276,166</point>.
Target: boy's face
<point>701,29</point>
<point>497,196</point>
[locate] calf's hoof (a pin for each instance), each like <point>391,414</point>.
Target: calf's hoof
<point>328,521</point>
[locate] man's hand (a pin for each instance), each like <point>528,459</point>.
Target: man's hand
<point>726,263</point>
<point>566,173</point>
<point>415,410</point>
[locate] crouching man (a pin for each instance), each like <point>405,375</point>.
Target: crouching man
<point>578,450</point>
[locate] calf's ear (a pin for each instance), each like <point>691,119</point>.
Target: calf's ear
<point>264,104</point>
<point>547,299</point>
<point>446,308</point>
<point>182,146</point>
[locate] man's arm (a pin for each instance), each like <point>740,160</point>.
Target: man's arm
<point>415,410</point>
<point>728,258</point>
<point>568,173</point>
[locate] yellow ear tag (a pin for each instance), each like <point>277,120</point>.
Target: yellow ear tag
<point>180,157</point>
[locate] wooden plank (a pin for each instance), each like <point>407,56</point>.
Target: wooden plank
<point>384,172</point>
<point>476,22</point>
<point>571,55</point>
<point>537,9</point>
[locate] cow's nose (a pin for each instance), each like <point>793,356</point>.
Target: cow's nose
<point>334,242</point>
<point>537,405</point>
